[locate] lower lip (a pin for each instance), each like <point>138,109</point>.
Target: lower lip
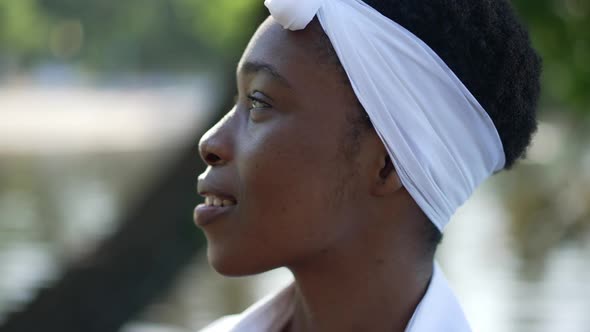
<point>205,215</point>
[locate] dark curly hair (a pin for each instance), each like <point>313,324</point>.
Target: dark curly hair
<point>487,47</point>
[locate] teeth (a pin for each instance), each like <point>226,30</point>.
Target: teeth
<point>216,201</point>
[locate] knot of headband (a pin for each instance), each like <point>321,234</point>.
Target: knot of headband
<point>293,15</point>
<point>441,141</point>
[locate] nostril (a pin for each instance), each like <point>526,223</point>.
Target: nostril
<point>215,148</point>
<point>212,158</point>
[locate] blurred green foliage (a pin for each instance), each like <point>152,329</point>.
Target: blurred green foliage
<point>181,35</point>
<point>110,35</point>
<point>560,30</point>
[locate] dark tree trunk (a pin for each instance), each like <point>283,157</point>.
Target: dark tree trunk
<point>102,291</point>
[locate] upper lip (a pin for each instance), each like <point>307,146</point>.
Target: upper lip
<point>212,186</point>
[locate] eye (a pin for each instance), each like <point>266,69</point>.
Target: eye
<point>256,103</point>
<point>257,108</point>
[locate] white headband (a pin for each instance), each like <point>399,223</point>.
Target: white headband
<point>441,141</point>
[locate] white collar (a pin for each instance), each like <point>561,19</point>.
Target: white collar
<point>438,311</point>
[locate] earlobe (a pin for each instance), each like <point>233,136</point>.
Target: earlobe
<point>389,181</point>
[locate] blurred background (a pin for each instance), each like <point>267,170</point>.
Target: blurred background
<point>102,103</point>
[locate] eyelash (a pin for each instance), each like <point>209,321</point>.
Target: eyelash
<point>252,100</point>
<point>256,100</point>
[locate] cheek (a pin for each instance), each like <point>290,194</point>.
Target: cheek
<point>283,177</point>
<point>289,180</point>
<point>288,184</point>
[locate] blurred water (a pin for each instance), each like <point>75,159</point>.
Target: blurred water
<point>59,196</point>
<point>73,157</point>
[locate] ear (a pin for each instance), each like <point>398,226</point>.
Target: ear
<point>388,181</point>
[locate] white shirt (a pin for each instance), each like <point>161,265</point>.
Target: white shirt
<point>438,311</point>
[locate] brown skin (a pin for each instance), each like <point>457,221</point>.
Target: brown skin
<point>343,224</point>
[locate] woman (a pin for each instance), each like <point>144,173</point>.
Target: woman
<point>358,129</point>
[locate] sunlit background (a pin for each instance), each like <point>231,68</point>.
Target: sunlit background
<point>101,105</point>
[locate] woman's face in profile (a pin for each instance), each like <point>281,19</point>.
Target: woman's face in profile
<point>281,159</point>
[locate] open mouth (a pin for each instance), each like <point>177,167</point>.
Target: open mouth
<point>213,208</point>
<point>215,200</point>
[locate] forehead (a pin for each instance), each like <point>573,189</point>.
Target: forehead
<point>294,55</point>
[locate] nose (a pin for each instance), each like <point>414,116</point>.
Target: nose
<point>216,145</point>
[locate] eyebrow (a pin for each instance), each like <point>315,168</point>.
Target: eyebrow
<point>253,67</point>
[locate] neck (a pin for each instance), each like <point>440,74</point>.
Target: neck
<point>374,283</point>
